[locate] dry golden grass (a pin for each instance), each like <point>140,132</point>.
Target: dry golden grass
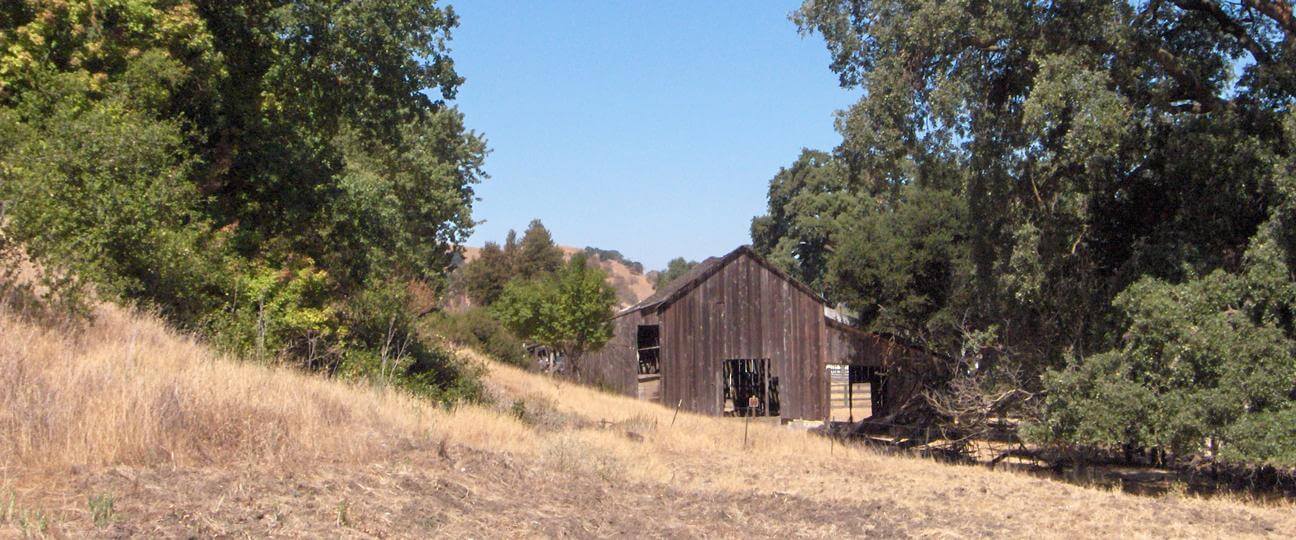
<point>129,408</point>
<point>706,454</point>
<point>128,390</point>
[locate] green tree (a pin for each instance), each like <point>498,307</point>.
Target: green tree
<point>511,255</point>
<point>537,254</point>
<point>674,269</point>
<point>1195,370</point>
<point>1212,358</point>
<point>1110,156</point>
<point>809,203</point>
<point>534,256</point>
<point>569,311</point>
<point>906,271</point>
<point>485,277</point>
<point>1095,143</point>
<point>205,157</point>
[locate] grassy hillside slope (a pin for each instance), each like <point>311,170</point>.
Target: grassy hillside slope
<point>125,428</point>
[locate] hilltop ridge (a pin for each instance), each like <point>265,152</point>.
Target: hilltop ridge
<point>631,286</point>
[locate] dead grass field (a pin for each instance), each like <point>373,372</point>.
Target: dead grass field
<point>125,428</point>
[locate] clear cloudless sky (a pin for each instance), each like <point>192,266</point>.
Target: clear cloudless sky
<point>652,128</point>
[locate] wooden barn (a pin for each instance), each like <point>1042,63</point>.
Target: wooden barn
<point>737,336</point>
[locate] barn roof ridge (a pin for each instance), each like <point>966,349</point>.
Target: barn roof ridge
<point>682,285</point>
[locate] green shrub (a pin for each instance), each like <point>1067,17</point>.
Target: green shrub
<point>280,313</point>
<point>98,192</point>
<point>1199,362</point>
<point>1268,437</point>
<point>384,345</point>
<point>477,329</point>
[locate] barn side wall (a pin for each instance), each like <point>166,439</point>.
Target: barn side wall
<point>616,365</point>
<point>744,311</point>
<point>898,363</point>
<point>854,347</point>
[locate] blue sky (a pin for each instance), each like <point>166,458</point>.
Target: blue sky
<point>652,128</point>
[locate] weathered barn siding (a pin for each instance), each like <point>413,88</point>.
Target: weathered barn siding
<point>897,361</point>
<point>744,310</point>
<point>616,365</point>
<point>737,307</point>
<point>852,346</point>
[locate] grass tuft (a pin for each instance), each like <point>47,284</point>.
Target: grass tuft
<point>102,509</point>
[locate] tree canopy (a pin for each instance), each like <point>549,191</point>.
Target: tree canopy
<point>211,159</point>
<point>674,269</point>
<point>1049,172</point>
<point>569,311</point>
<point>536,255</point>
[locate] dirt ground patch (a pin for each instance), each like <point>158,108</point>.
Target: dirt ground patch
<point>470,493</point>
<point>419,494</point>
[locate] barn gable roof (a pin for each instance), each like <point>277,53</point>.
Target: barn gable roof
<point>682,285</point>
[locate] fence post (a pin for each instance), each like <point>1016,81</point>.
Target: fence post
<point>745,424</point>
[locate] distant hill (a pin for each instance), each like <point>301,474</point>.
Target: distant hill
<point>627,278</point>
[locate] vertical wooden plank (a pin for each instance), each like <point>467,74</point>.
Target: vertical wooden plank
<point>803,352</point>
<point>758,310</point>
<point>667,357</point>
<point>720,314</point>
<point>700,300</point>
<point>682,357</point>
<point>738,308</point>
<point>690,359</point>
<point>821,324</point>
<point>679,352</point>
<point>812,356</point>
<point>807,354</point>
<point>749,309</point>
<point>791,344</point>
<point>706,345</point>
<point>763,310</point>
<point>729,293</point>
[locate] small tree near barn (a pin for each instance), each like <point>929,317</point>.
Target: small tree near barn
<point>568,311</point>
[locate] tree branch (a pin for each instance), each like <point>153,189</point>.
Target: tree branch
<point>1198,91</point>
<point>1229,25</point>
<point>1279,11</point>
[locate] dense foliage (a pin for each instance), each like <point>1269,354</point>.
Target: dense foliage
<point>808,203</point>
<point>483,280</point>
<point>1103,186</point>
<point>268,173</point>
<point>478,329</point>
<point>569,311</point>
<point>674,269</point>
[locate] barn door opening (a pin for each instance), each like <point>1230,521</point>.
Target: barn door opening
<point>854,392</point>
<point>649,349</point>
<point>750,388</point>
